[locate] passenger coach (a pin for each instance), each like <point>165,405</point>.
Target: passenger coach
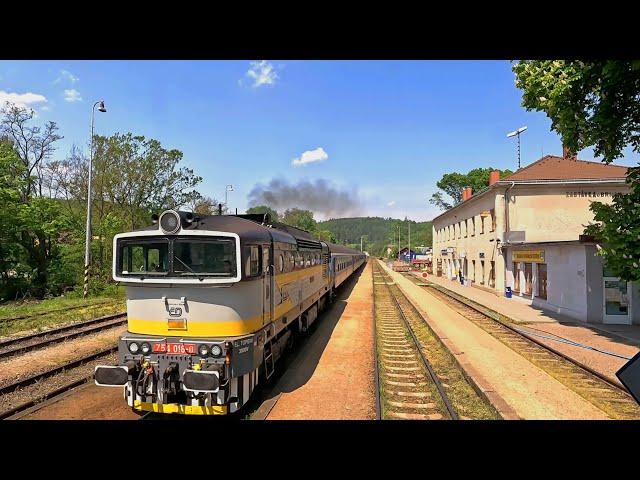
<point>212,302</point>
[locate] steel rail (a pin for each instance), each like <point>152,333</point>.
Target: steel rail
<point>74,330</point>
<point>578,364</point>
<point>425,361</point>
<point>12,387</point>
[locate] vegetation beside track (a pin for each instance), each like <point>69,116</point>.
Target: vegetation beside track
<point>39,315</point>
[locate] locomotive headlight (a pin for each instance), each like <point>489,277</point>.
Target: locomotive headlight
<point>145,347</point>
<point>203,350</point>
<point>134,347</point>
<point>170,221</point>
<point>216,351</point>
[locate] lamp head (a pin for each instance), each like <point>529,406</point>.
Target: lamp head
<point>101,107</point>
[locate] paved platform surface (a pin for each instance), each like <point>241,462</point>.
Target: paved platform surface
<point>511,382</point>
<point>333,377</point>
<point>622,340</point>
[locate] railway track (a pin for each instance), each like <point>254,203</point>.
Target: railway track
<point>34,341</point>
<point>419,378</point>
<point>37,379</point>
<point>589,384</point>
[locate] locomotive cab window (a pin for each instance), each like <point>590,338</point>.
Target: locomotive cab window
<point>144,257</point>
<point>204,257</point>
<point>215,257</point>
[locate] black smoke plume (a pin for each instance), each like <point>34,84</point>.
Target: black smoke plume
<point>319,196</point>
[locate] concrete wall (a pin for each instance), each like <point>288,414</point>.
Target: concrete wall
<point>470,234</point>
<point>566,280</point>
<point>554,213</point>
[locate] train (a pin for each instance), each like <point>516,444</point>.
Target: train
<point>213,301</point>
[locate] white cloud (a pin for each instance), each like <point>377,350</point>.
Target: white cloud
<point>262,73</point>
<point>310,156</point>
<point>72,95</point>
<point>66,75</point>
<point>391,203</point>
<point>23,100</point>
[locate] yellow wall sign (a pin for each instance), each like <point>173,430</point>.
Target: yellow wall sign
<point>532,256</point>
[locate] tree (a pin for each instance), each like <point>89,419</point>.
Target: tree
<point>33,145</point>
<point>595,103</point>
<point>37,217</point>
<point>299,218</point>
<point>264,209</point>
<point>326,236</point>
<point>452,184</point>
<point>140,176</point>
<point>203,204</point>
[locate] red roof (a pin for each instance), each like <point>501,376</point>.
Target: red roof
<point>551,167</point>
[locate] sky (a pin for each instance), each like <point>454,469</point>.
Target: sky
<point>377,135</point>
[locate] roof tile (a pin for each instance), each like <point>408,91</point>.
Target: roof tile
<point>551,167</point>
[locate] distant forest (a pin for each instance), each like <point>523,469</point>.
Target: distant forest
<point>379,232</point>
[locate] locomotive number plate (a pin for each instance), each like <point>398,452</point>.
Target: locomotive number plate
<point>175,348</point>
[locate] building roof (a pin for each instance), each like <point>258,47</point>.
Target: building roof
<point>551,167</point>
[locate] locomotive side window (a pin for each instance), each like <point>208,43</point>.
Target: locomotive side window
<point>281,263</point>
<point>252,262</point>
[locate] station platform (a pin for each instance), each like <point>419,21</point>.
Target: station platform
<point>611,341</point>
<point>332,377</point>
<point>516,387</point>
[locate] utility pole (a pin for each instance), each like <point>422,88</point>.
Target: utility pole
<point>409,240</point>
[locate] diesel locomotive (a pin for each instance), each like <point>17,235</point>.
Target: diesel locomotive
<point>212,303</point>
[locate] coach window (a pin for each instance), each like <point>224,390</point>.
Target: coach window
<point>280,263</point>
<point>252,265</point>
<point>292,262</point>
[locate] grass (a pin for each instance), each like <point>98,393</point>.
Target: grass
<point>42,314</point>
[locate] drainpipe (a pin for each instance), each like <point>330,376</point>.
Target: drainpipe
<point>506,225</point>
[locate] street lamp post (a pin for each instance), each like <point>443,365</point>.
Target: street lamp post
<point>228,188</point>
<point>87,251</point>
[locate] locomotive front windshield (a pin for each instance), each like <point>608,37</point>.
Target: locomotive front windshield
<point>179,257</point>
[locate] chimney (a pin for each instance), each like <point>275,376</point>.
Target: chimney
<point>467,193</point>
<point>494,177</point>
<point>566,153</point>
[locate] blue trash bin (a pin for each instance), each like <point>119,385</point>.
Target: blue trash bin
<point>507,292</point>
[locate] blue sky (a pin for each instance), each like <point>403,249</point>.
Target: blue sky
<point>385,131</point>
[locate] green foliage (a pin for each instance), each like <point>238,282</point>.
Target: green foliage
<point>595,103</point>
<point>617,228</point>
<point>590,103</point>
<point>379,232</point>
<point>297,217</point>
<point>452,185</point>
<point>264,209</point>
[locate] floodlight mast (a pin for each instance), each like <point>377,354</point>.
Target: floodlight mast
<point>516,133</point>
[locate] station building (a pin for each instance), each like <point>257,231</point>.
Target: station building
<point>526,232</point>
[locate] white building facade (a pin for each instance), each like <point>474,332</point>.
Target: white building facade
<point>524,232</point>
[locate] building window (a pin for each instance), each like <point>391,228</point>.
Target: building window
<point>492,214</point>
<point>542,280</point>
<point>481,272</point>
<point>473,271</point>
<point>466,230</point>
<point>481,224</point>
<point>473,226</point>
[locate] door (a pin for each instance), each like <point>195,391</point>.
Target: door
<point>267,286</point>
<point>516,277</point>
<point>617,305</point>
<point>528,279</point>
<point>542,281</point>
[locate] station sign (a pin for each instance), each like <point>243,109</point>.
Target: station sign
<point>529,256</point>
